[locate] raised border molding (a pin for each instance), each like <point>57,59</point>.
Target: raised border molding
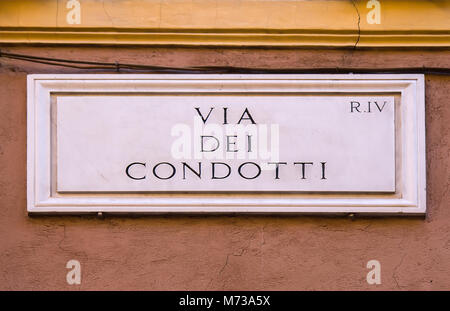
<point>410,199</point>
<point>226,38</point>
<point>236,23</point>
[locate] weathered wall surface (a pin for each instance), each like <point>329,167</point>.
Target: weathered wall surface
<point>223,252</point>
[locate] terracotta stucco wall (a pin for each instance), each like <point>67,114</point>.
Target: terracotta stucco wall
<point>223,252</point>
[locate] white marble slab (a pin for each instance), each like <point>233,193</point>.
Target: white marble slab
<point>85,130</point>
<point>322,143</point>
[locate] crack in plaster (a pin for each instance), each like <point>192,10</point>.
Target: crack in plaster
<point>394,275</point>
<point>359,23</point>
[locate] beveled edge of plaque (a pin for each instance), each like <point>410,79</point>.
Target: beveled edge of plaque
<point>411,201</point>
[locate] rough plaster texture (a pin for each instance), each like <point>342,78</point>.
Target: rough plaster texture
<point>223,252</point>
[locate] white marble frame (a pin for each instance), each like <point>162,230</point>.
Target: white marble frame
<point>410,199</point>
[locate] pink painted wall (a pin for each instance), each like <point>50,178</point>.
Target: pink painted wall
<point>223,252</point>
